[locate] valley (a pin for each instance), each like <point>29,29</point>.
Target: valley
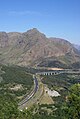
<point>40,92</point>
<point>39,76</point>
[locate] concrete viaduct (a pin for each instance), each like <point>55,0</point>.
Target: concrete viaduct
<point>49,73</point>
<point>69,71</point>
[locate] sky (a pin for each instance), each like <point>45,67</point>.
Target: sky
<point>54,18</point>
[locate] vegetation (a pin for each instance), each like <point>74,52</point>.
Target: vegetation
<point>8,107</point>
<point>66,106</point>
<point>76,65</point>
<point>52,63</point>
<point>61,81</point>
<point>15,81</point>
<point>71,108</point>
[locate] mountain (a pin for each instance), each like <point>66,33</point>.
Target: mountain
<point>77,46</point>
<point>33,48</point>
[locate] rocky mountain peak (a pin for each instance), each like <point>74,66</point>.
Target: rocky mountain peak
<point>34,48</point>
<point>34,32</point>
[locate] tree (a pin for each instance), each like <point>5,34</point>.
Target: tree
<point>71,108</point>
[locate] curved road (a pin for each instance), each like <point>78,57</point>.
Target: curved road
<point>32,93</point>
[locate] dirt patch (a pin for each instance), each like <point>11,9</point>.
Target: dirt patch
<point>17,87</point>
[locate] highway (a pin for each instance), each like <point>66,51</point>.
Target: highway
<point>36,85</point>
<point>32,93</point>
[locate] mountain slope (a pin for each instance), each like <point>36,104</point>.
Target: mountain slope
<point>77,47</point>
<point>34,48</point>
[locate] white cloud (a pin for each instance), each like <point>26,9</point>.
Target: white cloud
<point>21,13</point>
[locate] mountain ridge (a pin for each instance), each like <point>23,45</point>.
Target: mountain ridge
<point>77,46</point>
<point>33,48</point>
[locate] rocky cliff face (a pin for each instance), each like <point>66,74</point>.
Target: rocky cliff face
<point>34,48</point>
<point>3,39</point>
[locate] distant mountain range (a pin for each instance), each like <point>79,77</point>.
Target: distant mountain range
<point>33,48</point>
<point>77,47</point>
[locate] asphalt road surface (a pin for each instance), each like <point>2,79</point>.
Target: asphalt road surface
<point>32,93</point>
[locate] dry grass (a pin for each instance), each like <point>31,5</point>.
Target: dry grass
<point>46,99</point>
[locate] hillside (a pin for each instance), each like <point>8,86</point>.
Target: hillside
<point>33,48</point>
<point>77,47</point>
